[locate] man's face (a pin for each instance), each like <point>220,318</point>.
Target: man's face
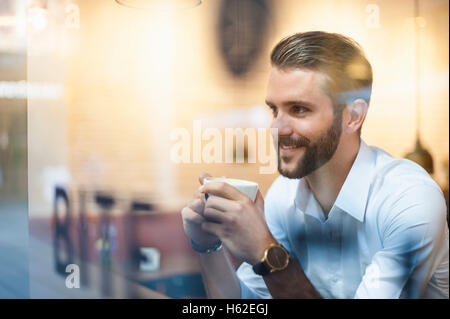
<point>308,130</point>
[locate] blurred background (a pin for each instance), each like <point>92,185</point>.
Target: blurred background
<point>91,93</point>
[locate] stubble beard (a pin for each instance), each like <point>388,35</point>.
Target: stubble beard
<point>316,154</point>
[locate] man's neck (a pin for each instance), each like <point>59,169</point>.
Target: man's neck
<point>326,182</point>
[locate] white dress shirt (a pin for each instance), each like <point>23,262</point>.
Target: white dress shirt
<point>386,235</point>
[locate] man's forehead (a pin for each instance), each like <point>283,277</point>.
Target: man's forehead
<point>295,83</point>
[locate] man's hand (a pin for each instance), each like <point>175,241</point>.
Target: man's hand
<point>240,225</point>
<point>193,218</point>
<point>236,220</point>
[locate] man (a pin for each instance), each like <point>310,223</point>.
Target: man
<point>344,220</point>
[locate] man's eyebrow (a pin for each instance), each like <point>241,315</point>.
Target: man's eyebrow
<point>294,102</point>
<point>269,103</point>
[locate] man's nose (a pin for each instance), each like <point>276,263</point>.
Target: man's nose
<point>283,124</point>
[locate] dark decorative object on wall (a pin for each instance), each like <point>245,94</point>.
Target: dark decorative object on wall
<point>420,155</point>
<point>242,29</point>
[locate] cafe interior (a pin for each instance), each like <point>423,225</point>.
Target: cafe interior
<point>111,109</point>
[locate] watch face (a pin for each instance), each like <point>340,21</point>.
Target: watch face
<point>277,257</point>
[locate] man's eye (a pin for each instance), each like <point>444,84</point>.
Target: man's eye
<point>274,111</point>
<point>299,109</point>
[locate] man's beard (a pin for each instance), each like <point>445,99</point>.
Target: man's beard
<point>316,154</point>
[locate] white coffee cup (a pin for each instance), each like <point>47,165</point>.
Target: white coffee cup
<point>248,188</point>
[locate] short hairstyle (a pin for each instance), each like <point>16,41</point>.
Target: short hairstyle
<point>340,58</point>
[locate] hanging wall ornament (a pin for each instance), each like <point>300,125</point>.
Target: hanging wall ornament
<point>242,29</point>
<point>420,155</point>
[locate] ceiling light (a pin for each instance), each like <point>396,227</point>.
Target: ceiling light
<point>156,4</point>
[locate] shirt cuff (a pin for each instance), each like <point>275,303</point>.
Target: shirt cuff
<point>247,293</point>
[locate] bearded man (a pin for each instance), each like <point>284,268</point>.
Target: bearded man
<point>344,220</point>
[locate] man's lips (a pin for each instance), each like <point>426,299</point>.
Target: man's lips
<point>289,149</point>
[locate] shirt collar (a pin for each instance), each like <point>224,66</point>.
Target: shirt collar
<point>352,197</point>
<point>354,194</point>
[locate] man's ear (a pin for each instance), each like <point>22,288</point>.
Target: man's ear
<point>356,113</point>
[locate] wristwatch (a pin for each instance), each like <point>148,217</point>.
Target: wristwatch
<point>275,258</point>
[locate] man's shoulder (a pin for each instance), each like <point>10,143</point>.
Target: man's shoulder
<point>399,174</point>
<point>402,187</point>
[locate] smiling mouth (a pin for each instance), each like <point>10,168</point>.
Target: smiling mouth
<point>287,149</point>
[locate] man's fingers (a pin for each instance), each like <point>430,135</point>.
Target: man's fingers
<point>212,228</point>
<point>197,205</point>
<point>259,200</point>
<point>202,176</point>
<point>199,195</point>
<point>223,189</point>
<point>191,216</point>
<point>221,204</point>
<point>214,215</point>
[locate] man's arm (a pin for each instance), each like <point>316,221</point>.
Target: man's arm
<point>415,243</point>
<point>241,225</point>
<point>218,273</point>
<point>221,281</point>
<point>290,283</point>
<point>219,276</point>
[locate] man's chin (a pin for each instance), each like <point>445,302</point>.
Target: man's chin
<point>290,175</point>
<point>290,172</point>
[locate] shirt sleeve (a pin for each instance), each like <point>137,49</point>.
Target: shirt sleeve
<point>415,242</point>
<point>247,293</point>
<point>252,285</point>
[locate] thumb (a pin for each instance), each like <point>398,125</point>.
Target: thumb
<point>202,176</point>
<point>259,201</point>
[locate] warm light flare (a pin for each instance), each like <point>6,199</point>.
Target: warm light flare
<point>156,4</point>
<point>8,21</point>
<point>38,18</point>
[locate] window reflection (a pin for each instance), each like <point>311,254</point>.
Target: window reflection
<point>90,92</point>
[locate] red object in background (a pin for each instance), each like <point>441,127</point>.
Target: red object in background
<point>163,231</point>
